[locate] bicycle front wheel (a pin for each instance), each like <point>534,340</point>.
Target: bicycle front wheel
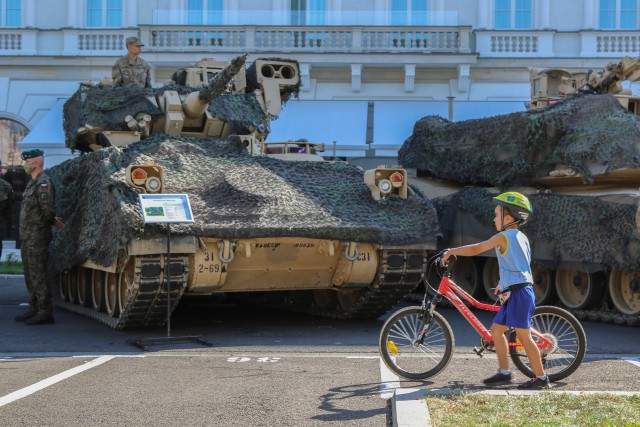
<point>569,343</point>
<point>409,356</point>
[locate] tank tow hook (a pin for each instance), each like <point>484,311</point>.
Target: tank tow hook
<point>351,254</point>
<point>225,252</point>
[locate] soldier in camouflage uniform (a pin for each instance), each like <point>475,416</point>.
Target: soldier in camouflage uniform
<point>131,70</point>
<point>36,218</point>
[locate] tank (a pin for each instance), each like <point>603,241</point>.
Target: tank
<point>274,222</point>
<point>576,155</point>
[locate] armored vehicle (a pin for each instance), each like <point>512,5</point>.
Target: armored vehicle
<point>273,221</point>
<point>577,156</point>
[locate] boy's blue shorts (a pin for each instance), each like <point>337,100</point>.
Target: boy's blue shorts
<point>518,310</point>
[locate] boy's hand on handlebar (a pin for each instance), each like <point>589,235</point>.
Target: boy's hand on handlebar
<point>444,260</point>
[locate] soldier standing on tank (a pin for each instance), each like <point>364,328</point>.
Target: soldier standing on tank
<point>37,215</point>
<point>6,208</point>
<point>131,70</point>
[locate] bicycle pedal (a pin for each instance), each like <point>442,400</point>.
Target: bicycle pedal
<point>478,351</point>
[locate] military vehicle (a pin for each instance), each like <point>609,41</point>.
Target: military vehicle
<point>273,221</point>
<point>576,154</point>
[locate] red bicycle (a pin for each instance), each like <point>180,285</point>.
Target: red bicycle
<point>417,342</point>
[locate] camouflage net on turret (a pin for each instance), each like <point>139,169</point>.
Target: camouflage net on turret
<point>600,231</point>
<point>589,133</point>
<point>233,195</point>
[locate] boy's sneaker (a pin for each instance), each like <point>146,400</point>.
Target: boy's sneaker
<point>535,384</point>
<point>497,380</point>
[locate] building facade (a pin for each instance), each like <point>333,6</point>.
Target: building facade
<point>369,68</point>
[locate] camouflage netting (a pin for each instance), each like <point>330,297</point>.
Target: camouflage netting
<point>563,226</point>
<point>106,107</point>
<point>588,133</point>
<point>233,195</point>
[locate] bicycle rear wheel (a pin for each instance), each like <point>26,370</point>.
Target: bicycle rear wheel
<point>408,358</point>
<point>569,343</point>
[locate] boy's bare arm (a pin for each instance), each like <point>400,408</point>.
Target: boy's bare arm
<point>476,248</point>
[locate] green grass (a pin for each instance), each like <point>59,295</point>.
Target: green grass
<point>12,265</point>
<point>542,409</point>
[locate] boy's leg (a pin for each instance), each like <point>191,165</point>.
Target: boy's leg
<point>530,347</point>
<point>501,345</point>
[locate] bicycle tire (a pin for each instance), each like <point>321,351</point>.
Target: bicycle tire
<point>570,343</point>
<point>410,360</point>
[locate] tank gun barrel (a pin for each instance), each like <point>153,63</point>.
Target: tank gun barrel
<point>196,103</point>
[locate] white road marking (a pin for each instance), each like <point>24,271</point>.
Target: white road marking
<point>389,381</point>
<point>11,397</point>
<point>633,360</point>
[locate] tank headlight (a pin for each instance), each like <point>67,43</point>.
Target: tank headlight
<point>153,185</point>
<point>385,186</point>
<point>138,176</point>
<point>396,179</point>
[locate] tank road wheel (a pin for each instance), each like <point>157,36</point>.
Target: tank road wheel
<point>543,285</point>
<point>84,280</point>
<point>63,285</point>
<point>97,290</point>
<point>325,298</point>
<point>111,294</point>
<point>72,285</point>
<point>125,282</point>
<point>490,277</point>
<point>348,298</point>
<point>466,273</point>
<point>624,288</point>
<point>578,290</point>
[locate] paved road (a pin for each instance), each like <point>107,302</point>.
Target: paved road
<point>265,368</point>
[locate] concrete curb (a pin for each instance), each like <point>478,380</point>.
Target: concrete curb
<point>409,409</point>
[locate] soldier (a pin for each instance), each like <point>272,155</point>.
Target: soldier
<point>131,70</point>
<point>6,208</point>
<point>36,218</point>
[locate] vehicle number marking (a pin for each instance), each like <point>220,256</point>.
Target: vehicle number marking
<point>208,268</point>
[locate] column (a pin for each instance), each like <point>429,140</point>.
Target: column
<point>438,13</point>
<point>544,15</point>
<point>130,14</point>
<point>305,80</point>
<point>381,12</point>
<point>409,77</point>
<point>483,14</point>
<point>73,13</point>
<point>589,15</point>
<point>29,14</point>
<point>356,73</point>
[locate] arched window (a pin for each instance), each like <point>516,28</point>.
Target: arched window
<point>205,12</point>
<point>409,12</point>
<point>10,13</point>
<point>104,13</point>
<point>618,14</point>
<point>512,14</point>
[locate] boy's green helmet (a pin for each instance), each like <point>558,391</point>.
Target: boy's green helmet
<point>517,203</point>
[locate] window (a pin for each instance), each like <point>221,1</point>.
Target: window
<point>512,14</point>
<point>409,12</point>
<point>104,13</point>
<point>618,14</point>
<point>205,12</point>
<point>308,12</point>
<point>10,13</point>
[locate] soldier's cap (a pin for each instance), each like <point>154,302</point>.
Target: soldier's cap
<point>32,154</point>
<point>133,40</point>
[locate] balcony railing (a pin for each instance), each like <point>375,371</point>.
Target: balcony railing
<point>322,39</point>
<point>307,39</point>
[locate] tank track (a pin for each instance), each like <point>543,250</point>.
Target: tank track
<point>399,272</point>
<point>146,304</point>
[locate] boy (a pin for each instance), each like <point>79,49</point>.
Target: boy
<point>514,259</point>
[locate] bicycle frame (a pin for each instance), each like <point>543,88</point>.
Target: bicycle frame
<point>451,291</point>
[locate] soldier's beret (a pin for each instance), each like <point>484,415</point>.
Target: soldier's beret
<point>31,154</point>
